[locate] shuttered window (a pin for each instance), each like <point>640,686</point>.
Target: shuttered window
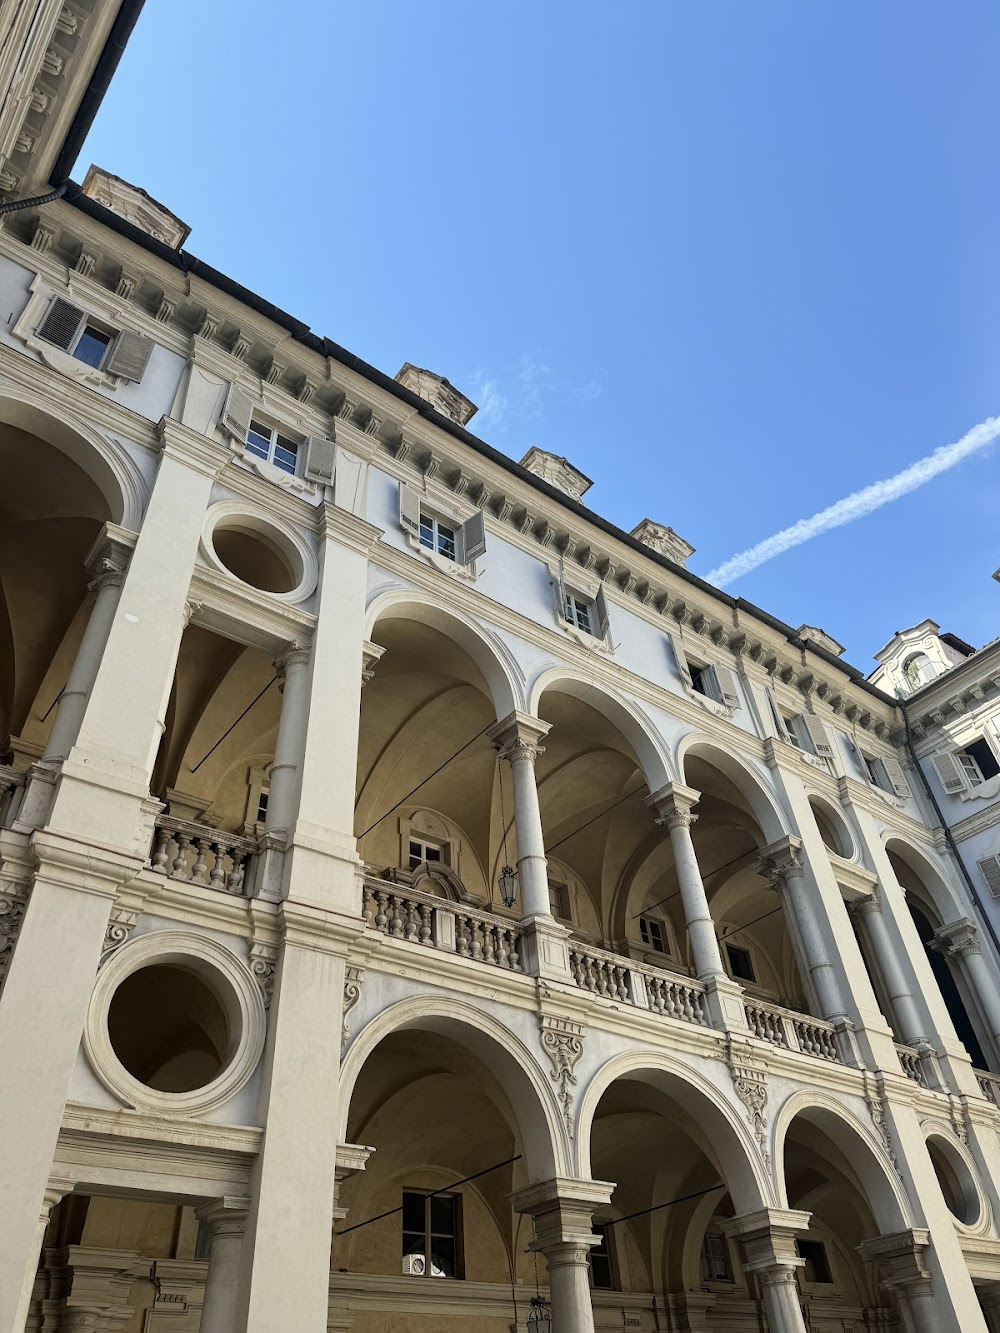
<point>461,542</point>
<point>71,329</point>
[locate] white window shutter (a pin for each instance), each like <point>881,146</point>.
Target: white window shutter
<point>603,618</point>
<point>950,772</point>
<point>561,593</point>
<point>897,778</point>
<point>129,356</point>
<point>990,866</point>
<point>409,510</point>
<point>726,681</point>
<point>320,459</point>
<point>237,412</point>
<point>473,538</point>
<point>776,718</point>
<point>818,736</point>
<point>680,659</point>
<point>61,324</point>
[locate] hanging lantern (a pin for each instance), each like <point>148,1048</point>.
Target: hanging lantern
<point>507,884</point>
<point>539,1316</point>
<point>507,881</point>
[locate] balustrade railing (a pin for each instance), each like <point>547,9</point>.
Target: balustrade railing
<point>624,979</point>
<point>194,854</point>
<point>601,973</point>
<point>909,1059</point>
<point>421,918</point>
<point>792,1031</point>
<point>675,998</point>
<point>989,1086</point>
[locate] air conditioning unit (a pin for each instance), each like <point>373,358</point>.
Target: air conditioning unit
<point>414,1265</point>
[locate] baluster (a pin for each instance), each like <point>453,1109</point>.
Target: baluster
<point>621,989</point>
<point>368,906</point>
<point>395,919</point>
<point>217,875</point>
<point>600,976</point>
<point>426,930</point>
<point>513,957</point>
<point>501,958</point>
<point>461,935</point>
<point>489,946</point>
<point>234,882</point>
<point>575,967</point>
<point>412,916</point>
<point>159,859</point>
<point>688,1002</point>
<point>199,871</point>
<point>477,939</point>
<point>382,915</point>
<point>179,869</point>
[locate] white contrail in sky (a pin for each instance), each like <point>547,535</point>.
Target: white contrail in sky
<point>858,504</point>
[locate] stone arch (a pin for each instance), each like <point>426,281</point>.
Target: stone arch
<point>498,665</point>
<point>538,1116</point>
<point>103,460</point>
<point>938,895</point>
<point>637,729</point>
<point>772,820</point>
<point>877,1180</point>
<point>823,808</point>
<point>744,1175</point>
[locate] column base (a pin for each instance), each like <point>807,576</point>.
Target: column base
<point>724,1003</point>
<point>545,949</point>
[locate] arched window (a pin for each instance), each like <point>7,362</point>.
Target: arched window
<point>918,670</point>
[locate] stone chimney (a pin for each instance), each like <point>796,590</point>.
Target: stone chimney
<point>557,471</point>
<point>135,206</point>
<point>664,541</point>
<point>436,390</point>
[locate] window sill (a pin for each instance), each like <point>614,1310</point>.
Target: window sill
<point>709,704</point>
<point>288,481</point>
<point>441,563</point>
<point>986,791</point>
<point>585,640</point>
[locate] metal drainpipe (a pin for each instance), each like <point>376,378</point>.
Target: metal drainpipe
<point>977,901</point>
<point>15,205</point>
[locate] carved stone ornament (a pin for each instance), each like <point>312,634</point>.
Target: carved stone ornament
<point>12,909</point>
<point>750,1085</point>
<point>353,981</point>
<point>877,1111</point>
<point>263,964</point>
<point>120,927</point>
<point>562,1041</point>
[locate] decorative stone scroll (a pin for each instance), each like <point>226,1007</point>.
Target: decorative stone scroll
<point>263,964</point>
<point>562,1041</point>
<point>12,909</point>
<point>750,1085</point>
<point>353,981</point>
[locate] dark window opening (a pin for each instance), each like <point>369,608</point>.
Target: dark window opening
<point>949,990</point>
<point>602,1274</point>
<point>92,346</point>
<point>432,1227</point>
<point>817,1265</point>
<point>715,1265</point>
<point>986,760</point>
<point>740,963</point>
<point>701,681</point>
<point>651,934</point>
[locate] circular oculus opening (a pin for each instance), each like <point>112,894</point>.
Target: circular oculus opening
<point>957,1185</point>
<point>833,838</point>
<point>169,1029</point>
<point>255,559</point>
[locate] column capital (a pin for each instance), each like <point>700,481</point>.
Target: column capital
<point>958,937</point>
<point>517,736</point>
<point>226,1216</point>
<point>868,905</point>
<point>562,1209</point>
<point>768,1236</point>
<point>296,654</point>
<point>107,560</point>
<point>900,1260</point>
<point>673,805</point>
<point>348,529</point>
<point>351,1158</point>
<point>781,861</point>
<point>191,448</point>
<point>371,655</point>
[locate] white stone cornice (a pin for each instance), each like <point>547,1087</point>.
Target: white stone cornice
<point>348,529</point>
<point>195,451</point>
<point>224,606</point>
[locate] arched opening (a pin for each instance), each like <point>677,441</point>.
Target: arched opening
<point>832,1172</point>
<point>457,1125</point>
<point>254,560</point>
<point>954,992</point>
<point>956,1181</point>
<point>169,1029</point>
<point>832,829</point>
<point>682,1170</point>
<point>51,507</point>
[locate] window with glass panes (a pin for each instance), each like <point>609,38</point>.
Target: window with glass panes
<point>268,443</point>
<point>740,963</point>
<point>580,613</point>
<point>602,1270</point>
<point>262,805</point>
<point>432,1234</point>
<point>437,536</point>
<point>715,1265</point>
<point>559,900</point>
<point>651,933</point>
<point>92,346</point>
<point>978,762</point>
<point>422,850</point>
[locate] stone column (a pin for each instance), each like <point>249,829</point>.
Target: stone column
<point>227,1219</point>
<point>868,911</point>
<point>899,1259</point>
<point>545,951</point>
<point>283,785</point>
<point>782,866</point>
<point>768,1239</point>
<point>960,939</point>
<point>561,1210</point>
<point>673,807</point>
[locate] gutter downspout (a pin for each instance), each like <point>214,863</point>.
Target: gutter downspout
<point>973,891</point>
<point>36,201</point>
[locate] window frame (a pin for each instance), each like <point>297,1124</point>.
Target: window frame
<point>563,897</point>
<point>820,1245</point>
<point>426,843</point>
<point>704,1258</point>
<point>456,1235</point>
<point>577,606</point>
<point>278,440</point>
<point>430,518</point>
<point>648,923</point>
<point>730,945</point>
<point>605,1250</point>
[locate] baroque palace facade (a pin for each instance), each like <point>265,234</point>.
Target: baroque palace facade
<point>424,906</point>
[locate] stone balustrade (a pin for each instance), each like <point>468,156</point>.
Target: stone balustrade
<point>989,1086</point>
<point>194,854</point>
<point>624,979</point>
<point>600,972</point>
<point>792,1031</point>
<point>909,1059</point>
<point>421,918</point>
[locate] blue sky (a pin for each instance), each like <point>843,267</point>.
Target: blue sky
<point>734,260</point>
